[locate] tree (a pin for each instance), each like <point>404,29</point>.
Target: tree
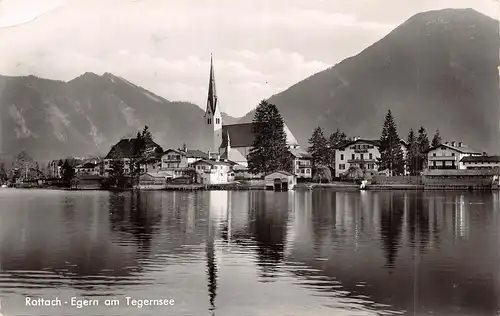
<point>423,146</point>
<point>321,174</point>
<point>319,147</point>
<point>3,173</point>
<point>286,162</point>
<point>269,151</point>
<point>147,136</point>
<point>391,154</point>
<point>68,172</point>
<point>117,172</point>
<point>436,140</point>
<point>335,140</point>
<point>412,155</point>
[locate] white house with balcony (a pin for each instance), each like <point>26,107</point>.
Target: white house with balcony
<point>92,168</point>
<point>213,171</point>
<point>450,156</point>
<point>362,153</point>
<point>302,162</point>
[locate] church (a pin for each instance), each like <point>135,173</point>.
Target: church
<point>232,142</point>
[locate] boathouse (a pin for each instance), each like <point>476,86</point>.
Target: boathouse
<point>280,181</point>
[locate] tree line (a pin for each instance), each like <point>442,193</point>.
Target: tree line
<point>392,157</point>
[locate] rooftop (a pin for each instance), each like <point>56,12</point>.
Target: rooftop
<point>481,159</point>
<point>241,135</point>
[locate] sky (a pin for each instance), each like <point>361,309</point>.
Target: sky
<point>260,47</point>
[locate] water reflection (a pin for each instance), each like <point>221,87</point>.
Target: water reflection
<point>450,266</point>
<point>269,215</point>
<point>226,253</point>
<point>391,222</point>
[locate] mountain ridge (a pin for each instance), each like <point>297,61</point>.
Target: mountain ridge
<point>436,63</point>
<point>87,114</point>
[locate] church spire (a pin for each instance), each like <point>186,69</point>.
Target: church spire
<point>212,93</point>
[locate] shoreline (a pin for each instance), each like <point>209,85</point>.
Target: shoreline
<point>299,187</point>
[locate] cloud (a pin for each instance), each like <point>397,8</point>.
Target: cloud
<point>260,47</point>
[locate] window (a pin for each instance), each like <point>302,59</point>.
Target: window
<point>341,167</point>
<point>453,154</point>
<point>434,154</point>
<point>308,171</point>
<point>209,121</point>
<point>371,156</point>
<point>362,156</point>
<point>341,156</point>
<point>217,121</point>
<point>353,156</point>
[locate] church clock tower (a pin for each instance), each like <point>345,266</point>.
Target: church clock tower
<point>212,117</point>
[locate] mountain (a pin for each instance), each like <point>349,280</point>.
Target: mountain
<point>87,115</point>
<point>229,120</point>
<point>439,69</point>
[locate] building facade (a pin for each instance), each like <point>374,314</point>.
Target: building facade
<point>176,163</point>
<point>126,150</point>
<point>480,162</point>
<point>302,163</point>
<point>54,169</point>
<point>362,153</point>
<point>212,171</point>
<point>449,156</point>
<point>88,168</point>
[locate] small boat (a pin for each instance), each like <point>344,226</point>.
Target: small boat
<point>3,186</point>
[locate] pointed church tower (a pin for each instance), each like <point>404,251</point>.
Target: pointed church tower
<point>212,118</point>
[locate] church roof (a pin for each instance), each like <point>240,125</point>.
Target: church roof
<point>241,135</point>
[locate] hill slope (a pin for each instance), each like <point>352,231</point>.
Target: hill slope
<point>438,69</point>
<point>85,116</point>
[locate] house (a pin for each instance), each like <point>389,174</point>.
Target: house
<point>86,182</point>
<point>54,168</point>
<point>302,163</point>
<point>231,142</point>
<point>480,162</point>
<point>152,181</point>
<point>213,171</point>
<point>178,162</point>
<point>88,168</point>
<point>126,150</point>
<point>280,181</point>
<point>362,153</point>
<point>449,155</point>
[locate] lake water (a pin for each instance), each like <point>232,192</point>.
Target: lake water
<point>251,253</point>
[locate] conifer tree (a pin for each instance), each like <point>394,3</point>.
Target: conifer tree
<point>391,153</point>
<point>423,146</point>
<point>436,140</point>
<point>412,155</point>
<point>319,147</point>
<point>336,139</point>
<point>269,151</point>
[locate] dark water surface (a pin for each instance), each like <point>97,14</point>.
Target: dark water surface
<point>252,253</point>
